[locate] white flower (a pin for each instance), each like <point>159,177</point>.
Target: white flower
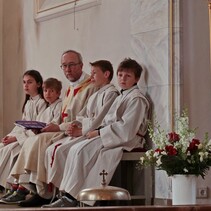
<point>183,124</point>
<point>149,152</point>
<point>163,153</point>
<point>200,146</point>
<point>180,150</point>
<point>188,153</point>
<point>201,158</point>
<point>206,154</point>
<point>203,155</point>
<point>156,154</point>
<point>158,162</point>
<point>185,170</point>
<point>142,160</point>
<point>209,143</point>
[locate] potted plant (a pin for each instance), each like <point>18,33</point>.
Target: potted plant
<point>179,152</point>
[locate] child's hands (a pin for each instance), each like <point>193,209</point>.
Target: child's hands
<point>92,134</point>
<point>51,128</point>
<point>36,131</point>
<point>73,130</point>
<point>8,140</point>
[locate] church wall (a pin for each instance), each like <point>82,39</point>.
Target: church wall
<point>41,44</point>
<point>13,63</point>
<point>1,71</point>
<point>113,30</point>
<point>150,44</point>
<point>197,72</point>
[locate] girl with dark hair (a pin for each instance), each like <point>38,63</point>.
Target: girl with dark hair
<point>37,82</point>
<point>33,105</point>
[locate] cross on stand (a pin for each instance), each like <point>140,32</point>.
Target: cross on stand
<point>103,173</point>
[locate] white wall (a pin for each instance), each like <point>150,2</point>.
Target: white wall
<point>40,44</point>
<point>96,36</point>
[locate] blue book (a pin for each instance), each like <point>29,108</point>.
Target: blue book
<point>30,124</point>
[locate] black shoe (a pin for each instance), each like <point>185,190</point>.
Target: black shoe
<point>34,201</point>
<point>2,189</point>
<point>64,201</point>
<point>15,198</point>
<point>8,193</point>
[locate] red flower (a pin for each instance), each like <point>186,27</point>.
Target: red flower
<point>173,137</point>
<point>170,150</point>
<point>159,150</point>
<point>193,146</point>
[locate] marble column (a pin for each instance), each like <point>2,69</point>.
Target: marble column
<point>155,41</point>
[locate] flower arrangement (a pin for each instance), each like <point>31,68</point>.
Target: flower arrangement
<point>178,152</point>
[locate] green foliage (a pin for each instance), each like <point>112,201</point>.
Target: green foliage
<point>178,152</point>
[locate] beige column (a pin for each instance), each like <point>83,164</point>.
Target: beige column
<point>209,8</point>
<point>1,70</point>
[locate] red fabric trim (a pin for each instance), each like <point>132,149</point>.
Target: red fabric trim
<point>54,151</point>
<point>21,188</point>
<point>76,91</point>
<point>50,187</point>
<point>83,85</point>
<point>15,186</point>
<point>63,116</point>
<point>138,134</point>
<point>68,92</point>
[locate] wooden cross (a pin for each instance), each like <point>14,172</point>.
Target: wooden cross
<point>104,173</point>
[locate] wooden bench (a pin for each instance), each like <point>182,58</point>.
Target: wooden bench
<point>148,178</point>
<point>139,182</point>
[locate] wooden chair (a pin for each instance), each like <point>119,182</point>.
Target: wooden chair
<point>132,174</point>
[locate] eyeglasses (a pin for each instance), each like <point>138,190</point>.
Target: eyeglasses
<point>70,65</point>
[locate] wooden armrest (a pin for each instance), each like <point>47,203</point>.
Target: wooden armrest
<point>136,150</point>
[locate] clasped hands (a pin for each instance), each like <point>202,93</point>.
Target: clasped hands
<point>74,130</point>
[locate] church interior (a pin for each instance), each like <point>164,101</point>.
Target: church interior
<point>171,39</point>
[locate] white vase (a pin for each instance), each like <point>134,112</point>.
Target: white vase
<point>183,189</point>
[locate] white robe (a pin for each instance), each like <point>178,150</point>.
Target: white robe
<point>90,118</point>
<point>31,157</point>
<point>9,153</point>
<point>123,129</point>
<point>52,114</point>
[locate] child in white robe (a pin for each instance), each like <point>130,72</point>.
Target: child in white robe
<point>52,114</point>
<point>33,105</point>
<point>123,128</point>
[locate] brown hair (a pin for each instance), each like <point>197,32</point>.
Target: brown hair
<point>52,83</point>
<point>104,65</point>
<point>131,65</point>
